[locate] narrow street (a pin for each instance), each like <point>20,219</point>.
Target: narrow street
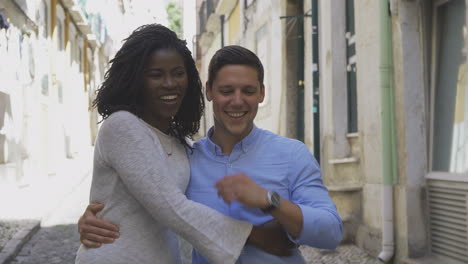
<point>57,241</point>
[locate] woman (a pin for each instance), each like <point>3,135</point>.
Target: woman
<point>151,100</point>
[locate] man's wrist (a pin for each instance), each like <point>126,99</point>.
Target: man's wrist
<point>273,202</point>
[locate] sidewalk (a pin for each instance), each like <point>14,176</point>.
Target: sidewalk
<point>344,254</point>
<point>37,199</point>
<point>25,209</point>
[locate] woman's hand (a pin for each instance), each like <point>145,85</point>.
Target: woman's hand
<point>94,231</point>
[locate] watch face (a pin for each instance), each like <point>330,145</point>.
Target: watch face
<point>275,199</point>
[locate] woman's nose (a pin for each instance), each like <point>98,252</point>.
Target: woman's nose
<point>169,82</point>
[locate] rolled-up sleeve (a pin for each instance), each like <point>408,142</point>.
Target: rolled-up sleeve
<point>322,226</point>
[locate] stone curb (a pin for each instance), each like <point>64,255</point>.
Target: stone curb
<point>14,245</point>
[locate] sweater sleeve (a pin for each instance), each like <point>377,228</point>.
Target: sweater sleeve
<point>132,152</point>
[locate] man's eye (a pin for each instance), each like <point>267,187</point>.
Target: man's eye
<point>225,91</point>
<point>180,73</point>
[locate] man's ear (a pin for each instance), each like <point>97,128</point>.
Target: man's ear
<point>262,93</point>
<point>209,96</point>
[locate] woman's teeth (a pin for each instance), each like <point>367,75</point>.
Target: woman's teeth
<point>168,97</point>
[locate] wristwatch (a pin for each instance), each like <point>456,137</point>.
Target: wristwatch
<point>273,199</point>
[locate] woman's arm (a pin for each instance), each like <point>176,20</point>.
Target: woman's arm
<point>270,236</point>
<point>125,145</point>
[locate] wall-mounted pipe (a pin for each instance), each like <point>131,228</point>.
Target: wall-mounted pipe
<point>389,168</point>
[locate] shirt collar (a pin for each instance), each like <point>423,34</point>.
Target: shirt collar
<point>245,144</point>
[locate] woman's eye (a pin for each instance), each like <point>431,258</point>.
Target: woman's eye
<point>154,76</point>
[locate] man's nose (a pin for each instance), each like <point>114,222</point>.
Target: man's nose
<point>237,98</point>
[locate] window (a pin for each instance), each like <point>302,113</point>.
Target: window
<point>60,35</point>
<point>202,17</point>
<point>449,88</point>
<point>247,3</point>
<point>45,85</point>
<point>43,18</point>
<point>351,67</point>
<point>60,92</point>
<point>80,59</point>
<point>72,44</point>
<point>60,27</point>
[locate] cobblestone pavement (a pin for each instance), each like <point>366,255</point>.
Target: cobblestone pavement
<point>344,254</point>
<point>50,245</point>
<point>7,230</point>
<point>58,244</point>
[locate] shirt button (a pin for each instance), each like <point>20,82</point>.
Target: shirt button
<point>230,165</point>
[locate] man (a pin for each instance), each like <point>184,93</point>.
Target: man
<point>254,175</point>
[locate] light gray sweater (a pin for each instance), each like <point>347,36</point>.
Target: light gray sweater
<point>142,184</point>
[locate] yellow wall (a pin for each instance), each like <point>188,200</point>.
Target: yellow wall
<point>234,23</point>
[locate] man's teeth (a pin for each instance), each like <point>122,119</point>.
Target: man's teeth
<point>168,97</point>
<point>236,114</point>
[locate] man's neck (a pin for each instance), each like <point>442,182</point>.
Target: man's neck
<point>226,141</point>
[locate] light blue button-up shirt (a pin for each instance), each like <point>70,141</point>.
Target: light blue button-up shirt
<point>276,163</point>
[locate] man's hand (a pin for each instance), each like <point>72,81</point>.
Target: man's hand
<point>241,188</point>
<point>94,231</point>
<point>272,238</point>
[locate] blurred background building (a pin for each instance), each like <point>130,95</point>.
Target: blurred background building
<point>53,57</point>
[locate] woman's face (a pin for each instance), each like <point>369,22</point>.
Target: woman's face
<point>164,84</point>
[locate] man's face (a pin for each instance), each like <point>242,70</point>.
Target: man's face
<point>236,93</point>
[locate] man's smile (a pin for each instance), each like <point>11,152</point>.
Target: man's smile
<point>236,114</point>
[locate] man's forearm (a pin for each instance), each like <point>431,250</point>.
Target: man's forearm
<point>289,215</point>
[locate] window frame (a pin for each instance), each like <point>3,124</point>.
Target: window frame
<point>44,17</point>
<point>433,79</point>
<point>60,31</point>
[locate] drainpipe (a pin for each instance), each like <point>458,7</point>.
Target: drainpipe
<point>388,132</point>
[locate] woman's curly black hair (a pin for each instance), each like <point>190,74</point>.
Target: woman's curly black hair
<point>122,88</point>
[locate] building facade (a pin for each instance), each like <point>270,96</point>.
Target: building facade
<point>53,56</point>
<point>377,90</point>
